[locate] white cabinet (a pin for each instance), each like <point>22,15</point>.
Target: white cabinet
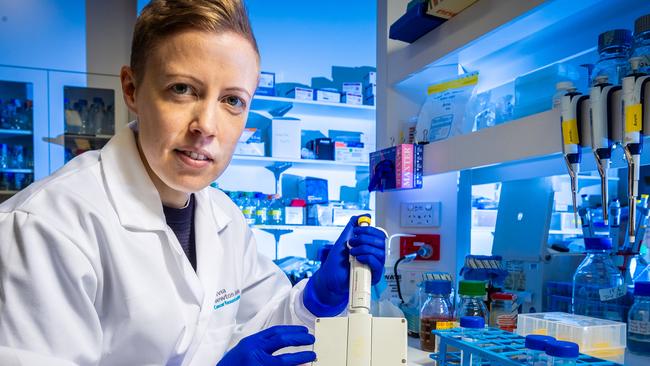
<point>73,88</point>
<point>250,173</point>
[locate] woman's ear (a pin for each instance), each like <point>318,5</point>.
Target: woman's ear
<point>127,78</point>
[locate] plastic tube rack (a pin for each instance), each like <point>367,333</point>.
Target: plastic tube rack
<point>494,347</point>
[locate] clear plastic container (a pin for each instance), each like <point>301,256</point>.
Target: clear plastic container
<point>503,311</point>
<point>598,285</point>
<point>436,313</point>
<point>536,349</point>
<point>596,337</point>
<point>472,327</point>
<point>641,45</point>
<point>561,353</point>
<point>248,207</point>
<point>638,333</point>
<point>534,91</point>
<point>613,50</point>
<point>472,294</point>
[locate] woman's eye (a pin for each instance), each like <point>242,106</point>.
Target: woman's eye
<point>181,88</point>
<point>235,101</point>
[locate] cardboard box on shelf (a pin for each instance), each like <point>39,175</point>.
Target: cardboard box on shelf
<point>285,137</point>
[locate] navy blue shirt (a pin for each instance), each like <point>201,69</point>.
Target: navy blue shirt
<point>181,221</point>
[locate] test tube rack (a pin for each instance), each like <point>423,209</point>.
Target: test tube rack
<point>495,347</point>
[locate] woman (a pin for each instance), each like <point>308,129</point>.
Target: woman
<point>125,256</point>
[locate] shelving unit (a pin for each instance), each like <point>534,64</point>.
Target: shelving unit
<point>278,106</point>
<point>502,40</point>
<point>300,163</point>
<point>16,170</point>
<point>299,227</point>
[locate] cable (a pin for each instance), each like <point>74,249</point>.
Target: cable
<point>399,290</point>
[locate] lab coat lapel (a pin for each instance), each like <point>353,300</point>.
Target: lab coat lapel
<point>209,251</point>
<point>129,187</point>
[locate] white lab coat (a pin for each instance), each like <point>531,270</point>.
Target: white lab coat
<point>90,274</point>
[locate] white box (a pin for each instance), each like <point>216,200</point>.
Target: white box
<point>352,98</point>
<point>285,137</point>
<point>294,215</point>
<point>251,148</point>
<point>341,216</point>
<point>354,88</point>
<point>327,96</point>
<point>448,8</point>
<point>351,154</point>
<point>301,93</point>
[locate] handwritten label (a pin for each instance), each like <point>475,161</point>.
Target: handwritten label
<point>607,294</point>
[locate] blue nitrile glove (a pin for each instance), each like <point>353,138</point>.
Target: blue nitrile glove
<point>327,291</point>
<point>257,349</point>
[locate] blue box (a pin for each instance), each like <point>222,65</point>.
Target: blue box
<point>352,98</point>
<point>313,190</point>
<point>354,88</point>
<point>266,85</point>
<point>414,24</point>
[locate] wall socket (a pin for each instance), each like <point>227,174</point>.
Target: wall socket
<point>420,214</point>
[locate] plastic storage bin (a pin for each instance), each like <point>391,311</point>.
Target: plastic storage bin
<point>596,337</point>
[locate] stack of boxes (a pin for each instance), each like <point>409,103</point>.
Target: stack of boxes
<point>370,88</point>
<point>352,93</point>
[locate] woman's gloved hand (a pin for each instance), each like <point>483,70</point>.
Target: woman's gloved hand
<point>327,291</point>
<point>258,349</point>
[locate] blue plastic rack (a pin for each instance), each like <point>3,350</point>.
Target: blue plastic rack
<point>495,347</point>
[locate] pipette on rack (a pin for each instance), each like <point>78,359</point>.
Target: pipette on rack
<point>601,142</point>
<point>633,86</point>
<point>571,140</point>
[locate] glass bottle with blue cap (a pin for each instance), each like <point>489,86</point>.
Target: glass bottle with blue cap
<point>561,353</point>
<point>638,324</point>
<point>598,285</point>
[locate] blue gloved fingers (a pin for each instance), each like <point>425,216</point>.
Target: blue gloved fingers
<point>376,267</point>
<point>282,329</point>
<point>294,359</point>
<point>369,230</point>
<point>365,239</point>
<point>380,254</point>
<point>286,337</point>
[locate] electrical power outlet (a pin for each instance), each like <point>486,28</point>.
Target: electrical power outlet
<point>420,214</point>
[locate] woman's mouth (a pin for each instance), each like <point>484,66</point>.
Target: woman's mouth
<point>193,159</point>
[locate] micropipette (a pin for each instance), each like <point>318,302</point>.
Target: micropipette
<point>571,140</point>
<point>633,85</point>
<point>600,95</point>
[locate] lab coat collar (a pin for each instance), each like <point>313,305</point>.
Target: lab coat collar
<point>130,189</point>
<point>132,192</point>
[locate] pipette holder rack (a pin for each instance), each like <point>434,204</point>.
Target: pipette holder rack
<point>495,348</point>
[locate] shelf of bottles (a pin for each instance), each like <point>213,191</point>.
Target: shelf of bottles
<point>16,136</point>
<point>89,119</point>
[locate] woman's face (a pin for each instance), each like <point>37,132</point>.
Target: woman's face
<point>192,104</point>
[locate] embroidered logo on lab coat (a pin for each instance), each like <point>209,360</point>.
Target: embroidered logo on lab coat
<point>226,298</point>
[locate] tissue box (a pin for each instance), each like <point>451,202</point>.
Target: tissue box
<point>301,93</point>
<point>350,152</point>
<point>327,96</point>
<point>397,167</point>
<point>354,88</point>
<point>250,143</point>
<point>266,85</point>
<point>285,137</point>
<point>313,190</point>
<point>352,98</point>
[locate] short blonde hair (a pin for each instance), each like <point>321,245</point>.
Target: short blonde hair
<point>163,18</point>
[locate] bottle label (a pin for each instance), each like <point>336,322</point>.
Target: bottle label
<point>639,327</point>
<point>276,214</point>
<point>570,132</point>
<point>633,118</point>
<point>607,294</point>
<point>247,212</point>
